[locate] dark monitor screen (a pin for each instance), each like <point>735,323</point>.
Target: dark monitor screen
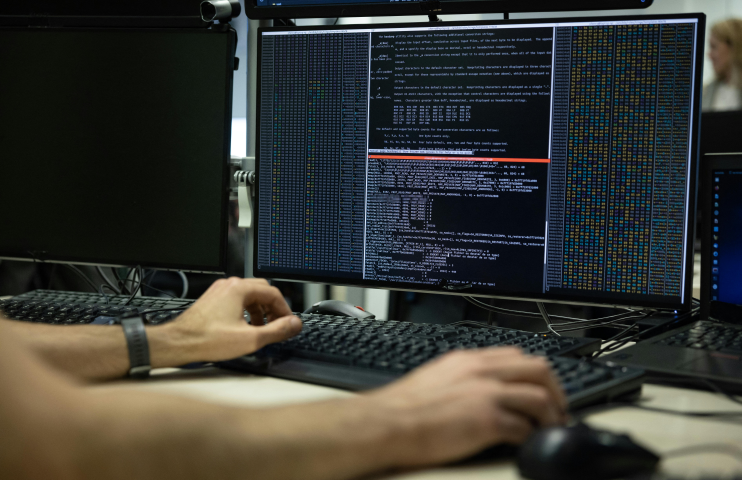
<point>363,8</point>
<point>110,13</point>
<point>114,146</point>
<point>549,160</point>
<point>722,249</point>
<point>720,132</point>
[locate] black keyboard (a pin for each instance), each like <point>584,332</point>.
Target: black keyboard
<point>348,352</point>
<point>390,344</point>
<point>705,335</point>
<point>74,308</point>
<point>358,354</point>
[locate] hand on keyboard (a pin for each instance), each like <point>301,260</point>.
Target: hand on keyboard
<point>465,401</point>
<point>214,328</point>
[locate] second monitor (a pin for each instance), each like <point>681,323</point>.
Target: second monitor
<point>542,160</point>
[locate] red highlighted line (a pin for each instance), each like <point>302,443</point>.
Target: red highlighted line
<point>467,159</point>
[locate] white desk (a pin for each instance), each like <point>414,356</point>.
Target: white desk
<point>660,432</point>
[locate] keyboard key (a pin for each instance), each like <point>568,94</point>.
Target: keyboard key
<point>400,368</point>
<point>594,377</point>
<point>365,361</point>
<point>327,357</point>
<point>573,387</point>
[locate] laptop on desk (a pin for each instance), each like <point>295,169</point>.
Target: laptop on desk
<point>711,348</point>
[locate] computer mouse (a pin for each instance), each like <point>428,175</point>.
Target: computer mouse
<point>338,307</point>
<point>581,453</point>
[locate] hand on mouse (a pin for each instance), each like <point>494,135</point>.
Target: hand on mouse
<point>465,401</point>
<point>214,328</point>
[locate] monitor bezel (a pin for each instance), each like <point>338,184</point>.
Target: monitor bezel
<point>432,7</point>
<point>684,303</point>
<point>221,267</point>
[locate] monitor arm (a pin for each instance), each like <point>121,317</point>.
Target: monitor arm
<point>241,181</point>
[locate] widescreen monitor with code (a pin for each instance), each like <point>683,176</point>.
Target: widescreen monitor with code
<point>548,160</point>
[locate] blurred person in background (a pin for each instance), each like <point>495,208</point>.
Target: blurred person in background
<point>725,53</point>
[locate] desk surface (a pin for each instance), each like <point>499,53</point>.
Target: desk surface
<point>660,432</point>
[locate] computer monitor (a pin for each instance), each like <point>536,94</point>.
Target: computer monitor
<point>721,261</point>
<point>115,146</point>
<point>551,160</point>
<point>373,8</point>
<point>94,13</point>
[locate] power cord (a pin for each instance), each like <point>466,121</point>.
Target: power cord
<point>590,325</point>
<point>618,316</point>
<point>545,314</point>
<point>159,310</point>
<point>83,276</point>
<point>68,265</point>
<point>151,274</point>
<point>107,281</point>
<point>615,338</point>
<point>597,323</point>
<point>185,284</point>
<point>569,324</point>
<point>106,286</point>
<point>520,313</point>
<point>139,284</point>
<point>147,285</point>
<point>506,311</point>
<point>643,334</point>
<point>122,282</point>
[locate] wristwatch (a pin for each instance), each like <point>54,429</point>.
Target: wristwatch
<point>136,341</point>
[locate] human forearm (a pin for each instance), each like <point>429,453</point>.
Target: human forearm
<point>99,352</point>
<point>51,428</point>
<point>160,437</point>
<point>213,329</point>
<point>333,440</point>
<point>445,410</point>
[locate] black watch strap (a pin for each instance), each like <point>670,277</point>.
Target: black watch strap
<point>136,341</point>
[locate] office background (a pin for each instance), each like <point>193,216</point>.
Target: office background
<point>406,305</point>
